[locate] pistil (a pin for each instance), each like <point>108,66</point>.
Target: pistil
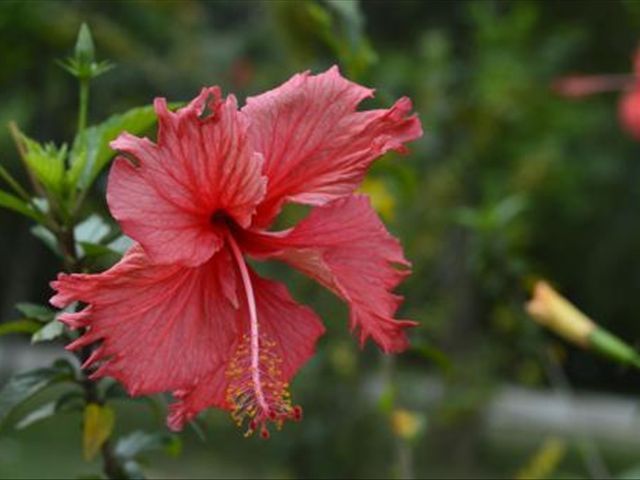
<point>254,326</point>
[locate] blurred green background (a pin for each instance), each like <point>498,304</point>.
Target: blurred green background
<point>509,183</point>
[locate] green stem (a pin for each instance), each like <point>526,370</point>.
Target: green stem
<point>613,347</point>
<point>83,105</point>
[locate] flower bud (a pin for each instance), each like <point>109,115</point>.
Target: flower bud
<point>556,313</point>
<point>553,311</point>
<point>85,51</point>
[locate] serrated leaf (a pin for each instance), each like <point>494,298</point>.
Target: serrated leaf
<point>23,386</point>
<point>50,331</point>
<point>134,444</point>
<point>35,311</point>
<point>18,205</point>
<point>24,325</point>
<point>46,162</point>
<point>91,151</point>
<point>98,426</point>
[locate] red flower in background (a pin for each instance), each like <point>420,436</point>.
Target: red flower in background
<point>577,86</point>
<point>183,311</point>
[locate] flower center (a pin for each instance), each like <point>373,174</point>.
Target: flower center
<point>256,390</point>
<point>220,217</point>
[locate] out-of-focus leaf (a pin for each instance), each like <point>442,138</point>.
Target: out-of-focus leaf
<point>35,311</point>
<point>48,238</point>
<point>115,391</point>
<point>629,474</point>
<point>24,325</point>
<point>90,233</point>
<point>434,354</point>
<point>545,460</point>
<point>387,399</point>
<point>16,204</point>
<point>382,199</point>
<point>121,244</point>
<point>132,445</point>
<point>98,425</point>
<point>132,470</point>
<point>23,386</point>
<point>50,331</point>
<point>508,209</point>
<point>70,402</point>
<point>91,151</point>
<point>336,25</point>
<point>44,411</point>
<point>95,250</point>
<point>350,43</point>
<point>92,230</point>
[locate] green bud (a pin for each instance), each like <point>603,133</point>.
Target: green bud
<point>85,51</point>
<point>82,64</point>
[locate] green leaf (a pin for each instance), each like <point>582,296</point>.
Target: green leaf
<point>121,244</point>
<point>23,386</point>
<point>132,470</point>
<point>18,205</point>
<point>47,237</point>
<point>91,151</point>
<point>35,311</point>
<point>46,162</point>
<point>41,413</point>
<point>98,426</point>
<point>69,401</point>
<point>24,325</point>
<point>96,250</point>
<point>90,233</point>
<point>50,331</point>
<point>134,444</point>
<point>92,230</point>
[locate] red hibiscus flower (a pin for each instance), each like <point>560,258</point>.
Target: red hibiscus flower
<point>183,311</point>
<point>578,86</point>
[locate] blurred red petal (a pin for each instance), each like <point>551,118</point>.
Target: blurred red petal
<point>629,112</point>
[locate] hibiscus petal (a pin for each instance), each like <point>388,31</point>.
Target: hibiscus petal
<point>165,195</point>
<point>316,146</point>
<point>345,247</point>
<point>161,327</point>
<point>290,332</point>
<point>173,328</point>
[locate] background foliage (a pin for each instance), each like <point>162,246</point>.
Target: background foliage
<point>509,183</point>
